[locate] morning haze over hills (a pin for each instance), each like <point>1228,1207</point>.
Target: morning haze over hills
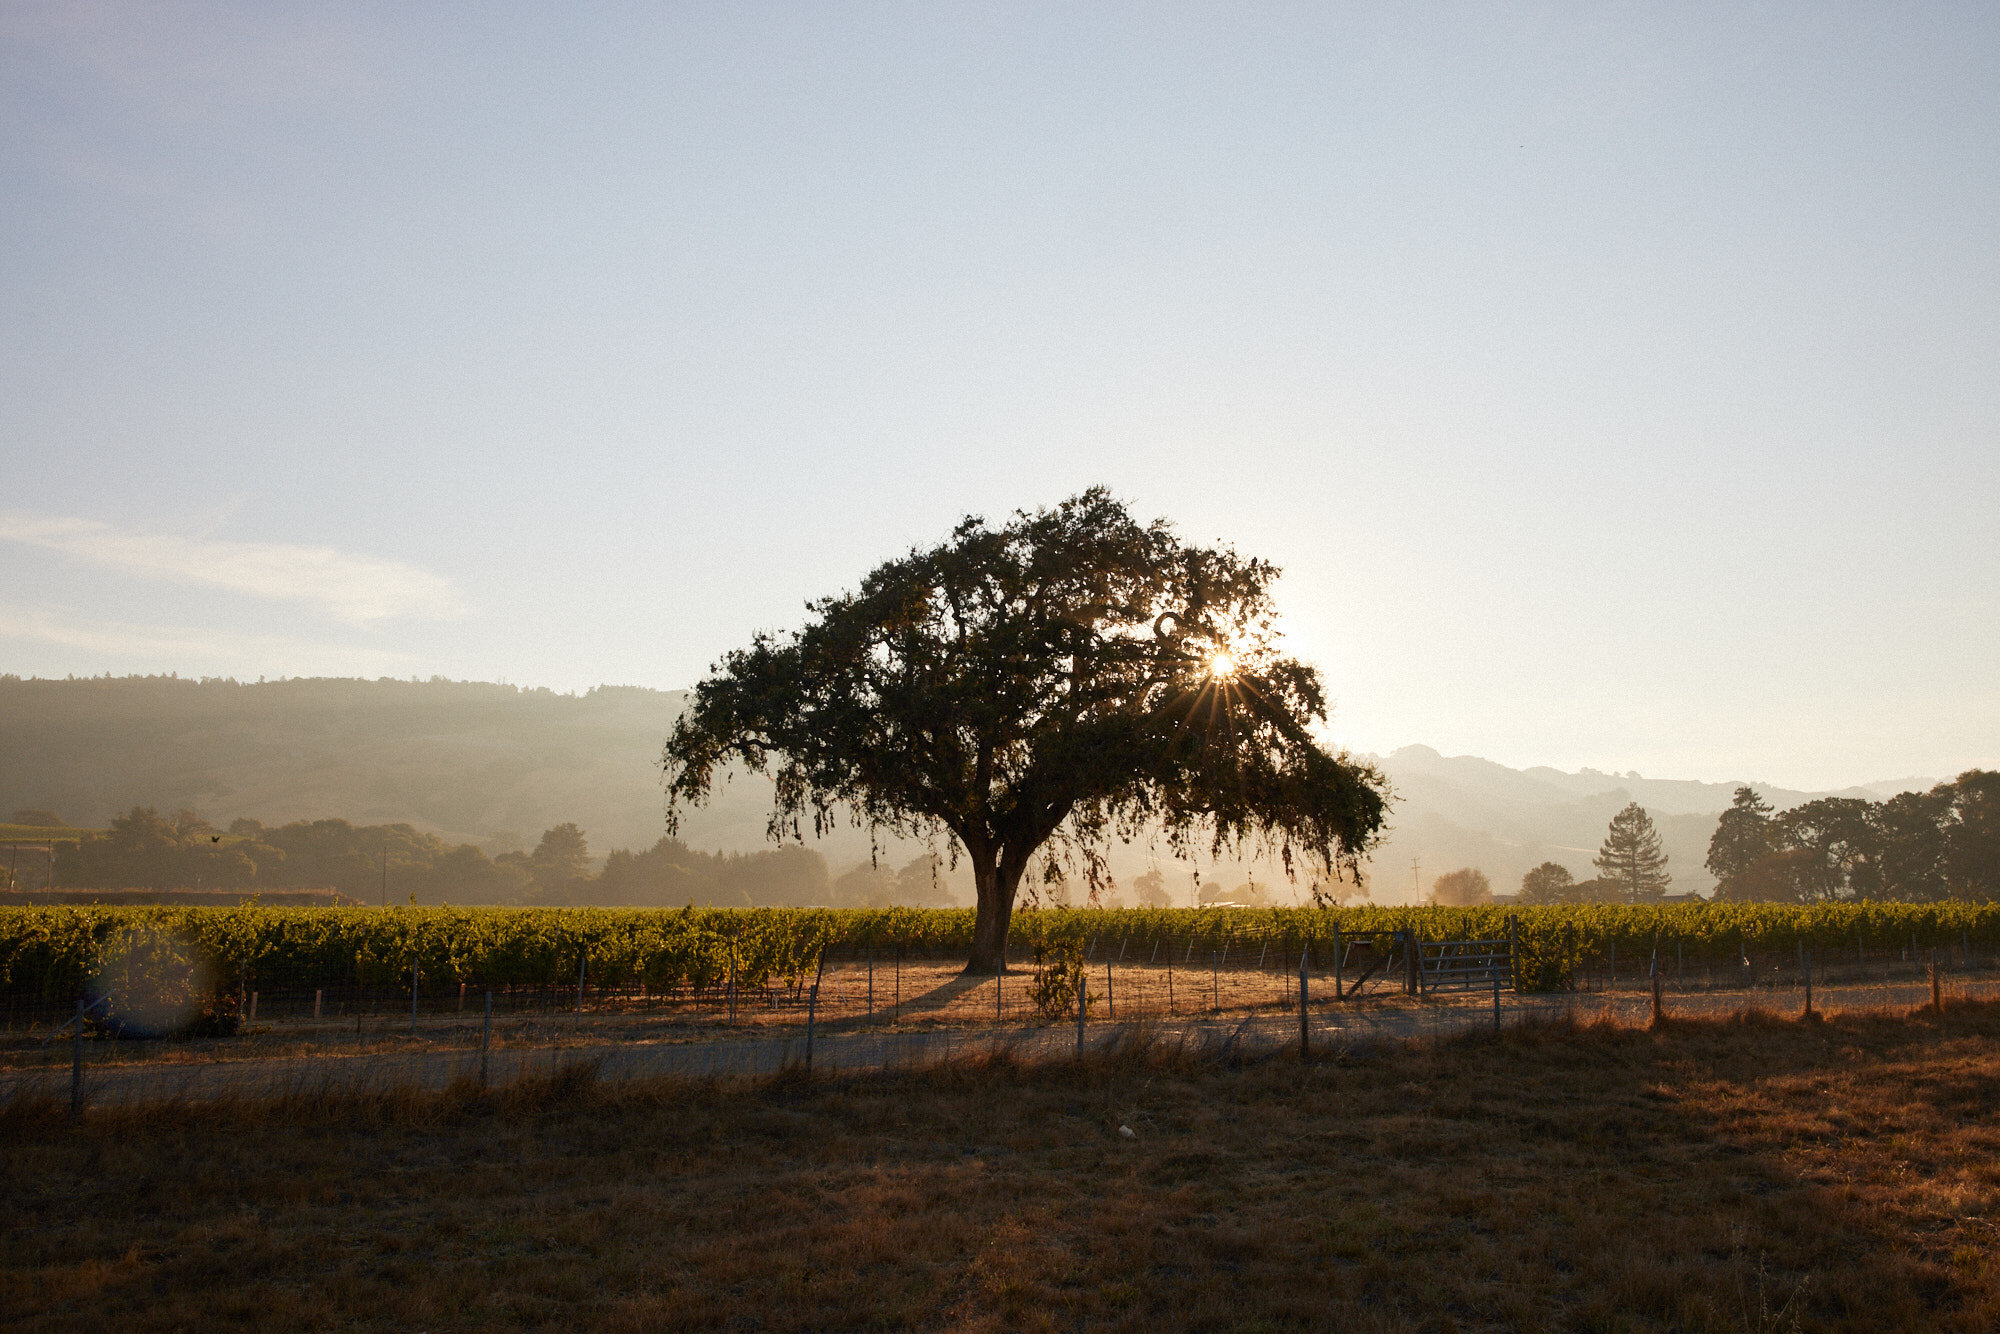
<point>495,765</point>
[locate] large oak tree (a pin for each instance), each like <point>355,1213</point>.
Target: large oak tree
<point>1034,690</point>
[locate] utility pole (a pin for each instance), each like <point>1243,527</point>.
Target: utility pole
<point>1416,879</point>
<point>385,868</point>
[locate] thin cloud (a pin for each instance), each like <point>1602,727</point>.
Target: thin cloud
<point>183,647</point>
<point>355,589</point>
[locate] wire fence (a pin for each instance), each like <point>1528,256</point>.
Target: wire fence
<point>874,1008</point>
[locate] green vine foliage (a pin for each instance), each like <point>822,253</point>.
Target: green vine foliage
<point>54,954</point>
<point>1057,981</point>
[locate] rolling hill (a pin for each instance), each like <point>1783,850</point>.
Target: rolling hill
<point>494,765</point>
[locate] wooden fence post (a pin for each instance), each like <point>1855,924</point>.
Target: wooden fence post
<point>812,1012</point>
<point>76,1067</point>
<point>485,1041</point>
<point>1805,967</point>
<point>1305,1011</point>
<point>318,996</point>
<point>1082,1005</point>
<point>582,967</point>
<point>1339,978</point>
<point>1659,1006</point>
<point>1110,1005</point>
<point>1937,995</point>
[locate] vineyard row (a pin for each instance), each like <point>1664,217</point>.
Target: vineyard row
<point>52,953</point>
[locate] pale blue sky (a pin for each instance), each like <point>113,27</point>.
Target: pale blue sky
<point>1619,385</point>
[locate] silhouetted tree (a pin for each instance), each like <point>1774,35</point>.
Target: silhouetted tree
<point>1462,888</point>
<point>1910,835</point>
<point>1832,847</point>
<point>1972,837</point>
<point>1550,882</point>
<point>1742,836</point>
<point>563,855</point>
<point>1033,690</point>
<point>1150,887</point>
<point>1631,858</point>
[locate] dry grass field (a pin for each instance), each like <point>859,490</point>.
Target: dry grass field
<point>1758,1174</point>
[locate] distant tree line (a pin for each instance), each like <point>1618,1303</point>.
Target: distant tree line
<point>1916,847</point>
<point>398,863</point>
<point>1631,868</point>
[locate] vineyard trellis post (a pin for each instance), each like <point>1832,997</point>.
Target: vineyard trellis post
<point>812,1006</point>
<point>76,1066</point>
<point>1339,959</point>
<point>486,1041</point>
<point>1305,1010</point>
<point>1082,1005</point>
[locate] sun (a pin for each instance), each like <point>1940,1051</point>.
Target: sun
<point>1221,665</point>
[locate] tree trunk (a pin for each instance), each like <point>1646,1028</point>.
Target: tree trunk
<point>996,888</point>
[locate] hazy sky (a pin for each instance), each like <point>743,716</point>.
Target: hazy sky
<point>1618,385</point>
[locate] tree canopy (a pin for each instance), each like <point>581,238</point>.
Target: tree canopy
<point>1462,888</point>
<point>1032,690</point>
<point>1631,857</point>
<point>1551,882</point>
<point>1914,847</point>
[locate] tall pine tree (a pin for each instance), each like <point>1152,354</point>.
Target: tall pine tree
<point>1631,858</point>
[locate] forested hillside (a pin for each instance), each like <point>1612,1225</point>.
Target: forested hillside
<point>489,765</point>
<point>493,767</point>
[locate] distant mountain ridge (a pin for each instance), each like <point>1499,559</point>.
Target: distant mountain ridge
<point>494,765</point>
<point>1465,811</point>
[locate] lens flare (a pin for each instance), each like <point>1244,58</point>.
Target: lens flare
<point>151,982</point>
<point>1221,665</point>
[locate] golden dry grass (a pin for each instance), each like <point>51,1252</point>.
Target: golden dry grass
<point>1759,1174</point>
